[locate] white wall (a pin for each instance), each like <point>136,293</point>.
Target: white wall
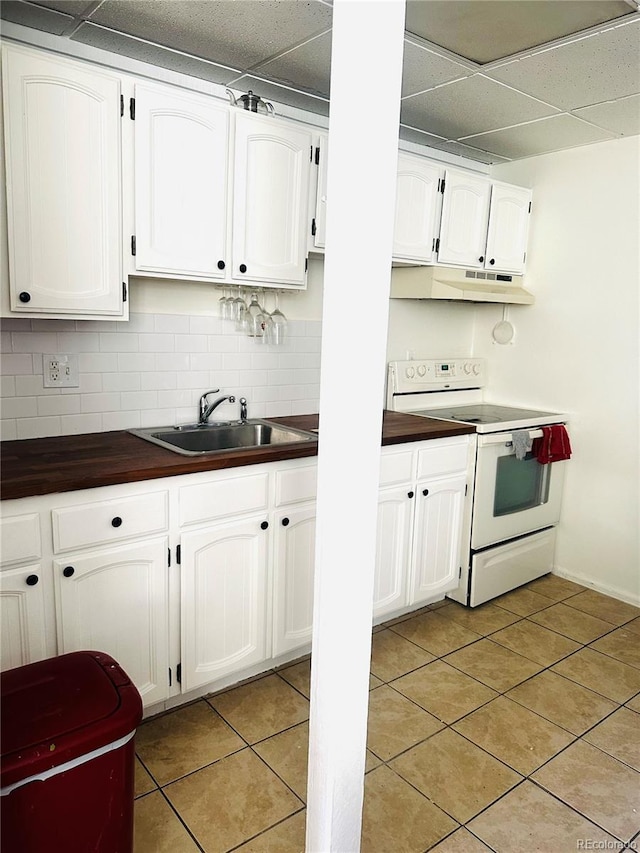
<point>576,350</point>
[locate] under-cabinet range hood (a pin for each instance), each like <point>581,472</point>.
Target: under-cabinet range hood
<point>458,284</point>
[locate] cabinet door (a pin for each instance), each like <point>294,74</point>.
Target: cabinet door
<point>435,562</point>
<point>115,601</point>
<point>62,132</point>
<point>416,200</point>
<point>181,144</point>
<point>395,513</point>
<point>23,632</point>
<point>223,600</point>
<point>270,200</point>
<point>319,227</point>
<point>295,539</point>
<point>508,228</point>
<point>465,213</point>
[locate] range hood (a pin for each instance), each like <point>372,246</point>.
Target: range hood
<point>458,284</point>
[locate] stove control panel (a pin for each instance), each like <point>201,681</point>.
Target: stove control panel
<point>407,377</point>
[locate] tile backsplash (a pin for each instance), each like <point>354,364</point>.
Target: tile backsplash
<point>150,371</point>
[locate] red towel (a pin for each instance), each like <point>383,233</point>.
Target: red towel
<point>553,446</point>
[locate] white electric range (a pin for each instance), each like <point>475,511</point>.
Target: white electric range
<point>514,506</point>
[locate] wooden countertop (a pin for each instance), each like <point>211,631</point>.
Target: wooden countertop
<point>41,466</point>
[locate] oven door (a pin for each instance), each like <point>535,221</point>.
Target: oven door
<point>512,496</point>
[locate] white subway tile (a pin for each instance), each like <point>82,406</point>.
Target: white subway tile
<point>28,386</point>
<point>110,326</point>
<point>136,362</point>
<point>185,415</point>
<point>119,342</point>
<point>158,380</point>
<point>253,377</point>
<point>34,342</point>
<point>265,360</point>
<point>121,381</point>
<point>38,427</point>
<point>7,386</point>
<point>121,420</point>
<point>174,323</point>
<point>139,400</point>
<point>305,407</point>
<point>95,362</point>
<point>15,324</point>
<point>100,403</point>
<point>158,417</point>
<point>61,405</point>
<point>313,328</point>
<point>157,343</point>
<point>192,379</point>
<point>178,399</point>
<point>19,363</point>
<point>191,343</point>
<point>8,430</point>
<point>281,377</point>
<point>175,361</point>
<point>279,409</point>
<point>137,323</point>
<point>222,343</point>
<point>236,361</point>
<point>206,361</point>
<point>80,424</point>
<point>288,360</point>
<point>78,342</point>
<point>90,383</point>
<point>200,325</point>
<point>5,343</point>
<point>20,407</point>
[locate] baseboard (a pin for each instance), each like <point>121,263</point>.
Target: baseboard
<point>605,589</point>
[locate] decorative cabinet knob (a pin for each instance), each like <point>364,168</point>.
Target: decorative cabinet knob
<point>492,261</point>
<point>285,522</point>
<point>24,296</point>
<point>410,494</point>
<point>116,522</point>
<point>481,259</point>
<point>68,571</point>
<point>32,580</point>
<point>425,492</point>
<point>243,267</point>
<point>221,265</point>
<point>264,525</point>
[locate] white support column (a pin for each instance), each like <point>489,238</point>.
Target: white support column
<point>362,159</point>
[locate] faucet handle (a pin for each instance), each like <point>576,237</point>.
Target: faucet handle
<point>212,391</point>
<point>243,408</point>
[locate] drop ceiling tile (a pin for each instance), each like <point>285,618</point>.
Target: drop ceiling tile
<point>422,69</point>
<point>468,106</point>
<point>37,18</point>
<point>71,7</point>
<point>598,68</point>
<point>305,67</point>
<point>145,52</point>
<point>469,152</point>
<point>411,134</point>
<point>540,137</point>
<point>621,116</point>
<point>280,94</point>
<point>239,33</point>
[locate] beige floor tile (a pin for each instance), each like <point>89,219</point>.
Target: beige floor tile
<point>286,837</point>
<point>596,785</point>
<point>143,782</point>
<point>372,761</point>
<point>555,587</point>
<point>608,677</point>
<point>397,818</point>
<point>619,735</point>
<point>523,601</point>
<point>493,665</point>
<point>634,625</point>
<point>395,723</point>
<point>157,829</point>
<point>393,656</point>
<point>231,801</point>
<point>634,704</point>
<point>455,774</point>
<point>435,633</point>
<point>461,841</point>
<point>604,607</point>
<point>483,620</point>
<point>535,642</point>
<point>563,702</point>
<point>622,644</point>
<point>183,741</point>
<point>528,819</point>
<point>514,734</point>
<point>437,605</point>
<point>287,755</point>
<point>444,691</point>
<point>298,676</point>
<point>261,708</point>
<point>571,623</point>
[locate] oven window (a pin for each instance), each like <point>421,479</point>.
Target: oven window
<point>520,484</point>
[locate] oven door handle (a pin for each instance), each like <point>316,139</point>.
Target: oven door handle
<point>504,437</point>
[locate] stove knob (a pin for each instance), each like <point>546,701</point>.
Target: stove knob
<point>467,368</point>
<point>422,369</point>
<point>410,372</point>
<point>476,369</point>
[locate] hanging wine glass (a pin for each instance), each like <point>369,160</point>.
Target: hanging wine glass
<point>279,324</point>
<point>225,306</point>
<point>267,337</point>
<point>255,318</point>
<point>239,311</point>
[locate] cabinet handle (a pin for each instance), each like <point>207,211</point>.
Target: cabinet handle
<point>481,259</point>
<point>285,522</point>
<point>221,265</point>
<point>32,580</point>
<point>243,267</point>
<point>68,571</point>
<point>492,261</point>
<point>24,296</point>
<point>425,492</point>
<point>264,525</point>
<point>410,494</point>
<point>116,522</point>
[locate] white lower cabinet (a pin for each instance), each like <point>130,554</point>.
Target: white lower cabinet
<point>224,598</point>
<point>393,549</point>
<point>23,636</point>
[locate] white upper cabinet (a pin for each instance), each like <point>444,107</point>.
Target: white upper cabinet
<point>62,133</point>
<point>416,207</point>
<point>270,200</point>
<point>465,212</point>
<point>181,145</point>
<point>319,221</point>
<point>508,228</point>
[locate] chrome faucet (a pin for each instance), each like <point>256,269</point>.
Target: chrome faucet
<point>243,409</point>
<point>205,409</point>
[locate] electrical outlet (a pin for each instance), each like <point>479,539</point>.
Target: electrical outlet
<point>60,371</point>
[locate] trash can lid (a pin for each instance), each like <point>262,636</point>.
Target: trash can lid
<point>59,709</point>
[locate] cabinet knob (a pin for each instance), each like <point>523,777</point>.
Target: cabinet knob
<point>410,494</point>
<point>481,259</point>
<point>221,265</point>
<point>24,296</point>
<point>68,571</point>
<point>243,267</point>
<point>285,522</point>
<point>116,522</point>
<point>425,492</point>
<point>492,261</point>
<point>264,525</point>
<point>32,580</point>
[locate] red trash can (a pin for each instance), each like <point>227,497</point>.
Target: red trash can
<point>67,766</point>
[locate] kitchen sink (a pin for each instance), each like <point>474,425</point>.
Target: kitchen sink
<point>195,439</point>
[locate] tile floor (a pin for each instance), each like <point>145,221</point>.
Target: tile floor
<point>513,727</point>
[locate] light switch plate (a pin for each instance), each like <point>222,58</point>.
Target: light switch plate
<point>60,370</point>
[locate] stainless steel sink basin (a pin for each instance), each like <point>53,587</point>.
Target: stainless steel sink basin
<point>195,439</point>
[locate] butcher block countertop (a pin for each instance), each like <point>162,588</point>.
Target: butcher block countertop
<point>40,466</point>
